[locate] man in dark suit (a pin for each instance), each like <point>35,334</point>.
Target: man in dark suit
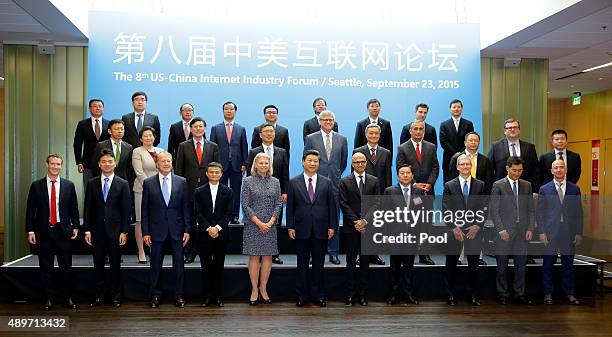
<point>452,135</point>
<point>213,209</point>
<point>165,219</point>
<point>511,145</point>
<point>405,194</point>
<point>313,125</point>
<point>52,220</point>
<point>461,195</point>
<point>560,225</point>
<point>572,160</point>
<point>311,221</point>
<point>105,219</point>
<point>334,155</point>
<point>88,133</point>
<point>513,213</point>
<point>193,157</point>
<point>134,121</point>
<point>352,187</point>
<point>281,138</point>
<point>420,114</point>
<point>386,136</point>
<point>280,167</point>
<point>233,151</point>
<point>421,156</point>
<point>121,150</point>
<point>181,130</point>
<point>481,167</point>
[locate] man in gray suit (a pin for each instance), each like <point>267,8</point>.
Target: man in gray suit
<point>334,155</point>
<point>513,214</point>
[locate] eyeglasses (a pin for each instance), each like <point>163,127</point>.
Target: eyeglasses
<point>512,127</point>
<point>360,162</point>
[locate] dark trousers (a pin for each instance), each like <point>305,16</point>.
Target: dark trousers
<point>55,243</point>
<point>178,266</point>
<point>235,183</point>
<point>472,252</point>
<point>566,248</point>
<point>357,281</point>
<point>517,247</point>
<point>310,284</point>
<point>101,246</point>
<point>401,275</point>
<point>212,261</point>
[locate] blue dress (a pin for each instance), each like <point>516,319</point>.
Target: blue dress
<point>261,196</point>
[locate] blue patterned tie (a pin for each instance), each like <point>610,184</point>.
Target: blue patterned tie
<point>139,124</point>
<point>105,189</point>
<point>166,190</point>
<point>466,192</point>
<point>516,198</point>
<point>406,196</point>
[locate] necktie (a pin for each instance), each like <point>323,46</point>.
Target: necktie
<point>406,196</point>
<point>456,125</point>
<point>105,189</point>
<point>513,150</point>
<point>186,130</point>
<point>418,153</point>
<point>560,192</point>
<point>516,199</point>
<point>269,153</point>
<point>228,132</point>
<point>117,153</point>
<point>466,191</point>
<point>360,186</point>
<point>199,152</point>
<point>328,146</point>
<point>97,130</point>
<point>373,152</point>
<point>139,123</point>
<point>52,205</point>
<point>473,169</point>
<point>165,190</point>
<point>561,156</point>
<point>311,192</point>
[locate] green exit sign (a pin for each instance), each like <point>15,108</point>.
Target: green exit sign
<point>576,100</point>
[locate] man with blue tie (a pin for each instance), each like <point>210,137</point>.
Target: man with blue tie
<point>134,121</point>
<point>311,221</point>
<point>559,217</point>
<point>333,160</point>
<point>233,152</point>
<point>165,218</point>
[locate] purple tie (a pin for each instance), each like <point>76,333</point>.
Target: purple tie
<point>311,193</point>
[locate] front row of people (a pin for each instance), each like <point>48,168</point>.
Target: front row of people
<point>52,220</point>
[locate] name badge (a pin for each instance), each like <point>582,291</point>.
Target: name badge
<point>417,201</point>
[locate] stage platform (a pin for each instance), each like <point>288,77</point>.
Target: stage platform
<point>20,279</point>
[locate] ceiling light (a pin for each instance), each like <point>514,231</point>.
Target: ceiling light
<point>598,67</point>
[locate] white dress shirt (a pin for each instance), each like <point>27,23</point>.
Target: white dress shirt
<point>314,181</point>
<point>214,188</point>
<point>161,184</point>
<point>517,147</point>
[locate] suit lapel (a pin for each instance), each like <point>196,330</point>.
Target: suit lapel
<point>506,149</point>
<point>302,188</point>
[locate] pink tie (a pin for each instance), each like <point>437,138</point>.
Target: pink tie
<point>228,132</point>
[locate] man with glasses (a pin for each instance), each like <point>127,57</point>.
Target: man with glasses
<point>281,133</point>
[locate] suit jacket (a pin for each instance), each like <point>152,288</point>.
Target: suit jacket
<point>37,208</point>
<point>312,125</point>
<point>381,168</point>
<point>454,201</point>
<point>350,200</point>
<point>573,162</point>
<point>220,215</point>
<point>386,135</point>
<point>233,155</point>
<point>484,169</point>
<point>109,218</point>
<point>175,137</point>
<point>281,138</point>
<point>85,142</point>
<point>160,220</point>
<point>418,198</point>
<point>430,134</point>
<point>503,207</point>
<point>452,140</point>
<point>551,210</point>
<point>311,219</point>
<point>144,166</point>
<point>280,165</point>
<point>124,169</point>
<point>425,171</point>
<point>499,153</point>
<point>187,165</point>
<point>131,134</point>
<point>333,167</point>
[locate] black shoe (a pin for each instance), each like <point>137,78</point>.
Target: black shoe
<point>530,260</point>
<point>572,300</point>
<point>375,259</point>
<point>180,303</point>
<point>264,300</point>
<point>116,303</point>
<point>475,301</point>
<point>235,220</point>
<point>219,303</point>
<point>48,304</point>
<point>548,299</point>
<point>70,304</point>
<point>425,259</point>
<point>189,259</point>
<point>481,262</point>
<point>363,301</point>
<point>523,300</point>
<point>143,261</point>
<point>503,300</point>
<point>451,301</point>
<point>205,302</point>
<point>334,259</point>
<point>96,302</point>
<point>459,262</point>
<point>392,300</point>
<point>348,302</point>
<point>254,302</point>
<point>411,300</point>
<point>300,303</point>
<point>276,259</point>
<point>357,261</point>
<point>322,303</point>
<point>154,302</point>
